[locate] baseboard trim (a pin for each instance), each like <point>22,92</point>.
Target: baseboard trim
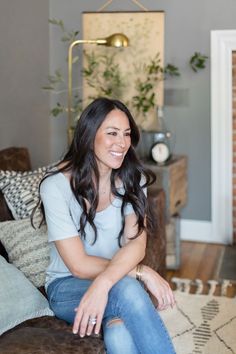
<point>197,230</point>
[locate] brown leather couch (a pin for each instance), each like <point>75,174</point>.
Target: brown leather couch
<point>46,334</point>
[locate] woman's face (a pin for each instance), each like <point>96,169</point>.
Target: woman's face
<point>112,140</point>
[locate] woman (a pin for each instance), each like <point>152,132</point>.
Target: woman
<point>95,207</point>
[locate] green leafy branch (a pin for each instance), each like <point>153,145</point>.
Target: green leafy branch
<point>103,75</point>
<point>56,80</point>
<point>146,87</point>
<point>68,36</point>
<point>198,61</point>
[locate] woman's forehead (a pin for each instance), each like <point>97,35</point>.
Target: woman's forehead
<point>116,118</point>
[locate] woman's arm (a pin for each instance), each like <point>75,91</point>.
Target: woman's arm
<point>124,262</point>
<point>89,267</point>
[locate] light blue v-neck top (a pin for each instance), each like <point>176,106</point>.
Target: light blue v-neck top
<point>62,217</point>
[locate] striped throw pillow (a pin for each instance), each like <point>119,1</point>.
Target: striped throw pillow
<point>20,190</point>
<point>27,247</point>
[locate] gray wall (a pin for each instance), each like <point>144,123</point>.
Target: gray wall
<point>187,111</point>
<point>24,62</point>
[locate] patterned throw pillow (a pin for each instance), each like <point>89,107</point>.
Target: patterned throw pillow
<point>20,190</point>
<point>19,299</point>
<point>27,247</point>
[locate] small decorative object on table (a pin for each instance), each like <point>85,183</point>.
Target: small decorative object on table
<point>160,151</point>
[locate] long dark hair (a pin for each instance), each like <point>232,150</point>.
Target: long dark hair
<point>81,162</point>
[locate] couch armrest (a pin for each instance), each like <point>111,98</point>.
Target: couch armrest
<point>14,158</point>
<point>156,239</point>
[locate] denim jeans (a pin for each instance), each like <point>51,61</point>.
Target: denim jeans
<point>141,330</point>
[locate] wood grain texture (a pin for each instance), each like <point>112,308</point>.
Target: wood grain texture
<point>198,261</point>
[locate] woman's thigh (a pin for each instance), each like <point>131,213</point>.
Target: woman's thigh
<point>65,294</point>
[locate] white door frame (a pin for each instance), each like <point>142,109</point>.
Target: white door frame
<point>222,45</point>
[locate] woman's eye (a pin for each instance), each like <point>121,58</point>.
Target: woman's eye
<point>128,134</point>
<point>112,133</point>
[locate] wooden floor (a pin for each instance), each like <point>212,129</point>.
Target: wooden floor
<point>198,261</point>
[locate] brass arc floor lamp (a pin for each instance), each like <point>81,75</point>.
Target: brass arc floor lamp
<point>116,40</point>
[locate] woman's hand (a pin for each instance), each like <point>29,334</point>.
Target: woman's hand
<point>158,287</point>
<point>90,311</point>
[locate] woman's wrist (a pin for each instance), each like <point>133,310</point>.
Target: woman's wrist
<point>104,281</point>
<point>145,271</point>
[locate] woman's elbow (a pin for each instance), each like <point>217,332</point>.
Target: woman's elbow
<point>79,270</point>
<point>79,273</point>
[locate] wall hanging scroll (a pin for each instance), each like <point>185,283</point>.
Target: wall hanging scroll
<point>145,31</point>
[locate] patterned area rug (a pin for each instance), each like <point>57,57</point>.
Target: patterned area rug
<point>202,324</point>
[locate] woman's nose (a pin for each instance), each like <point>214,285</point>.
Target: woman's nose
<point>121,141</point>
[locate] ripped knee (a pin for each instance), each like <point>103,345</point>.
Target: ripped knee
<point>113,322</point>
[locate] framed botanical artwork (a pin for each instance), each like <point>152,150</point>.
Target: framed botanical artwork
<point>124,73</point>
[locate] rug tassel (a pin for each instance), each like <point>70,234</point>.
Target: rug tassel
<point>212,284</point>
<point>182,285</point>
<point>224,287</point>
<point>199,285</point>
<point>185,285</point>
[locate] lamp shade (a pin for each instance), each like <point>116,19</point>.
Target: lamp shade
<point>117,40</point>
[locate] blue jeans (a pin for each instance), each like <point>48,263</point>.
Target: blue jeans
<point>141,330</point>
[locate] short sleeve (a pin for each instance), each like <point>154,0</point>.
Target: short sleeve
<point>57,212</point>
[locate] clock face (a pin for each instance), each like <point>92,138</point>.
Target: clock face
<point>160,152</point>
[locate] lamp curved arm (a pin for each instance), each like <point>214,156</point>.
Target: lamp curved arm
<point>116,40</point>
<point>70,52</point>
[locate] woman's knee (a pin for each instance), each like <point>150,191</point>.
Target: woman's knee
<point>117,338</point>
<point>130,291</point>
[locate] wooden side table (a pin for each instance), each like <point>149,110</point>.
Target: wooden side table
<point>172,177</point>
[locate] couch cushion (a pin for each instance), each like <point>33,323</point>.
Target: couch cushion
<point>19,299</point>
<point>27,248</point>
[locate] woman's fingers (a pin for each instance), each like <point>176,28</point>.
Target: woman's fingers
<point>85,324</point>
<point>98,324</point>
<point>92,321</point>
<point>159,288</point>
<point>164,296</point>
<point>77,320</point>
<point>173,301</point>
